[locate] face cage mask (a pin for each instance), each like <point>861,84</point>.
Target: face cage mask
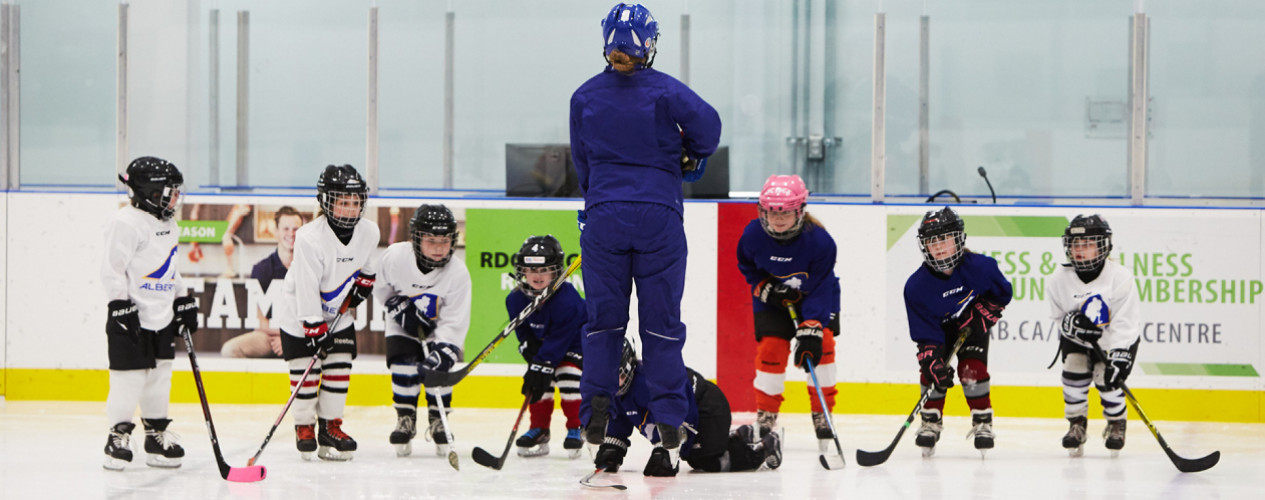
<point>627,370</point>
<point>947,263</point>
<point>427,261</point>
<point>328,200</point>
<point>1088,266</point>
<point>784,235</point>
<point>520,275</point>
<point>163,208</point>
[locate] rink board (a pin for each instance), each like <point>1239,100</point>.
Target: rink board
<point>1198,273</point>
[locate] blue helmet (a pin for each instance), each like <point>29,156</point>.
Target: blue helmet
<point>632,30</point>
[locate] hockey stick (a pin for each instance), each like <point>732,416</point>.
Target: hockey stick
<point>443,419</point>
<point>828,463</point>
<point>1182,464</point>
<point>294,393</point>
<point>588,481</point>
<point>248,474</point>
<point>432,378</point>
<point>872,458</point>
<point>486,459</point>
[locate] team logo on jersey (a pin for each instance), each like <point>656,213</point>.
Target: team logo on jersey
<point>1095,308</point>
<point>166,270</point>
<point>427,303</point>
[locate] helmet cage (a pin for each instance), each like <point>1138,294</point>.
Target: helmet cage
<point>419,233</point>
<point>538,254</point>
<point>329,199</point>
<point>788,234</point>
<point>949,262</point>
<point>628,365</point>
<point>1100,241</point>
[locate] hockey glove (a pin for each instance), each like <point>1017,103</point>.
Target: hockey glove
<point>1119,364</point>
<point>981,315</point>
<point>580,219</point>
<point>776,294</point>
<point>360,289</point>
<point>538,380</point>
<point>611,454</point>
<point>528,348</point>
<point>411,319</point>
<point>934,369</point>
<point>442,357</point>
<point>318,337</point>
<point>186,313</point>
<point>1077,328</point>
<point>123,319</point>
<point>692,169</point>
<point>808,343</point>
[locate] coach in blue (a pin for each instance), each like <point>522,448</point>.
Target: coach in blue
<point>636,134</point>
<point>953,291</point>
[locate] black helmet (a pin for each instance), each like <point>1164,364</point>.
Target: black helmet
<point>937,226</point>
<point>152,183</point>
<point>628,364</point>
<point>1093,229</point>
<point>540,254</point>
<point>338,181</point>
<point>432,220</point>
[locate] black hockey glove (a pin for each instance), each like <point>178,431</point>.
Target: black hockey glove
<point>611,454</point>
<point>776,294</point>
<point>808,343</point>
<point>361,288</point>
<point>442,357</point>
<point>318,336</point>
<point>933,367</point>
<point>1077,328</point>
<point>528,348</point>
<point>1119,364</point>
<point>409,317</point>
<point>981,315</point>
<point>538,380</point>
<point>186,313</point>
<point>123,319</point>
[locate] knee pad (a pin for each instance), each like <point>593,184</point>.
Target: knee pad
<point>1076,362</point>
<point>771,355</point>
<point>972,371</point>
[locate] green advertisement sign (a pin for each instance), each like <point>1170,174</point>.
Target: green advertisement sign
<point>492,237</point>
<point>202,231</point>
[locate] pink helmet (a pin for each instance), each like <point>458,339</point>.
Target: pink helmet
<point>783,193</point>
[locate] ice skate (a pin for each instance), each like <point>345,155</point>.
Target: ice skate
<point>1114,434</point>
<point>573,443</point>
<point>982,430</point>
<point>766,421</point>
<point>824,435</point>
<point>305,440</point>
<point>437,433</point>
<point>161,446</point>
<point>929,433</point>
<point>771,447</point>
<point>666,457</point>
<point>334,444</point>
<point>118,450</point>
<point>1074,441</point>
<point>533,443</point>
<point>405,431</point>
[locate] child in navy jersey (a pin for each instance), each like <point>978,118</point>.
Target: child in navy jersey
<point>953,291</point>
<point>788,258</point>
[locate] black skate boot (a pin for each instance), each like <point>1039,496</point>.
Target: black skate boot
<point>437,433</point>
<point>666,457</point>
<point>824,435</point>
<point>982,430</point>
<point>929,433</point>
<point>305,440</point>
<point>573,443</point>
<point>160,444</point>
<point>771,446</point>
<point>766,422</point>
<point>1114,433</point>
<point>118,450</point>
<point>533,443</point>
<point>405,431</point>
<point>334,444</point>
<point>1074,441</point>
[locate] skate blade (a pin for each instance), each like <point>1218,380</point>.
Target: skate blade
<point>1115,453</point>
<point>162,462</point>
<point>928,451</point>
<point>533,451</point>
<point>306,456</point>
<point>403,449</point>
<point>112,463</point>
<point>329,453</point>
<point>1076,452</point>
<point>441,450</point>
<point>573,453</point>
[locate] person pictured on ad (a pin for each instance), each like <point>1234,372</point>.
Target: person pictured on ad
<point>265,341</point>
<point>636,134</point>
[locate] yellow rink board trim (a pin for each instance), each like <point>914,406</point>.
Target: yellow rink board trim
<point>502,392</point>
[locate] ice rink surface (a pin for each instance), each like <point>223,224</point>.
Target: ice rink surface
<point>54,450</point>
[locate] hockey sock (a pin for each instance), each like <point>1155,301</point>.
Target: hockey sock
<point>335,378</point>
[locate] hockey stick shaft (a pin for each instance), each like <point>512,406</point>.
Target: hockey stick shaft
<point>1183,464</point>
<point>248,474</point>
<point>821,396</point>
<point>497,463</point>
<point>298,386</point>
<point>436,379</point>
<point>872,458</point>
<point>443,419</point>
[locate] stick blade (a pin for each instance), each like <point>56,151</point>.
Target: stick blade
<point>249,474</point>
<point>452,460</point>
<point>1194,465</point>
<point>872,458</point>
<point>482,457</point>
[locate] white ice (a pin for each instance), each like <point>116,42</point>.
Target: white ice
<point>54,450</point>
